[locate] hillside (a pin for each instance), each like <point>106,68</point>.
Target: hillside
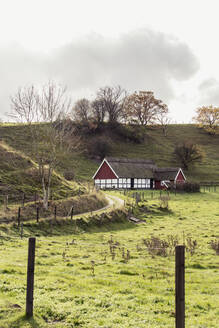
<point>155,146</point>
<point>19,175</point>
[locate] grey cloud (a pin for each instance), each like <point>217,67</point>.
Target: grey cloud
<point>209,92</point>
<point>141,60</point>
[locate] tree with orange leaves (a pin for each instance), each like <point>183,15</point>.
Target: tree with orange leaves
<point>143,108</point>
<point>208,119</point>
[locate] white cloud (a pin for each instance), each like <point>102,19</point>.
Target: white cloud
<point>140,60</point>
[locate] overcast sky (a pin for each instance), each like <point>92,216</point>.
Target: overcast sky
<point>167,46</point>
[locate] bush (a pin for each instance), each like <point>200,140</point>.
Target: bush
<point>215,245</point>
<point>131,133</point>
<point>186,187</point>
<point>99,148</point>
<point>156,246</point>
<point>87,128</point>
<point>69,175</point>
<point>188,154</point>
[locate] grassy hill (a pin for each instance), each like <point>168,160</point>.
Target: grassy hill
<point>19,174</point>
<point>155,146</point>
<point>160,149</point>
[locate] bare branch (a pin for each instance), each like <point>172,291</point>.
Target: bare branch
<point>44,111</point>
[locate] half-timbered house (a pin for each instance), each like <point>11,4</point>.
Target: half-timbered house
<point>123,173</point>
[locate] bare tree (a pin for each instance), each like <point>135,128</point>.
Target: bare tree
<point>164,121</point>
<point>112,99</point>
<point>43,110</point>
<point>98,110</point>
<point>82,110</point>
<point>143,108</point>
<point>188,153</point>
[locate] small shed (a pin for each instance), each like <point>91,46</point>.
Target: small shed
<point>168,175</point>
<point>123,173</point>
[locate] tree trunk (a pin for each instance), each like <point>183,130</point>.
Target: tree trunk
<point>46,185</point>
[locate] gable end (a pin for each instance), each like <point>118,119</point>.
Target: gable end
<point>180,176</point>
<point>105,171</point>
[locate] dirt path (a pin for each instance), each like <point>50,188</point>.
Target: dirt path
<point>114,202</point>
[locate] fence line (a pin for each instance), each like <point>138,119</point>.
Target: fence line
<point>181,286</point>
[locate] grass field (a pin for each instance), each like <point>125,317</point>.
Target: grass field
<point>106,277</point>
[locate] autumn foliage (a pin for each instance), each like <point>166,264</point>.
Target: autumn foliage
<point>208,118</point>
<point>143,108</point>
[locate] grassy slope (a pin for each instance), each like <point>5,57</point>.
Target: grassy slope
<point>17,137</point>
<point>19,174</point>
<point>160,149</point>
<point>156,147</point>
<point>118,293</point>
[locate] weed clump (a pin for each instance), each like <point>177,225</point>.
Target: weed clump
<point>215,245</point>
<point>156,246</point>
<point>164,202</point>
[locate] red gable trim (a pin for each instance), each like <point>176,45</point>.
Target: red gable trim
<point>179,175</point>
<point>105,171</point>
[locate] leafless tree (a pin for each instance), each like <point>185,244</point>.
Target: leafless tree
<point>82,110</point>
<point>164,121</point>
<point>43,110</point>
<point>112,99</point>
<point>188,153</point>
<point>98,110</point>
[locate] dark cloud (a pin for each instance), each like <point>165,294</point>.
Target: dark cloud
<point>209,92</point>
<point>142,60</point>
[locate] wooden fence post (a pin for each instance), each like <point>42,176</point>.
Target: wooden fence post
<point>37,214</point>
<point>30,276</point>
<point>22,230</point>
<point>55,212</point>
<point>72,212</point>
<point>180,286</point>
<point>19,217</point>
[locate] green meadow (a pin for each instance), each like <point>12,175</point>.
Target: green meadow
<point>119,274</point>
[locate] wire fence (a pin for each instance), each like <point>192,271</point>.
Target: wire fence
<point>109,262</point>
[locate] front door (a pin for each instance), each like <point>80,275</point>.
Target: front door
<point>151,184</point>
<point>132,183</point>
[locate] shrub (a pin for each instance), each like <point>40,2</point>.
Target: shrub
<point>87,128</point>
<point>188,154</point>
<point>215,245</point>
<point>186,187</point>
<point>130,133</point>
<point>99,147</point>
<point>156,246</point>
<point>164,202</point>
<point>69,175</point>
